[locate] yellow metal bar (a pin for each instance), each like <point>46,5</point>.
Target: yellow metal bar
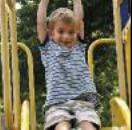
<point>0,115</point>
<point>114,128</point>
<point>16,87</point>
<point>120,113</point>
<point>5,66</point>
<point>10,3</point>
<point>119,48</point>
<point>120,2</point>
<point>127,39</point>
<point>25,116</point>
<point>31,85</point>
<point>16,84</point>
<point>93,47</point>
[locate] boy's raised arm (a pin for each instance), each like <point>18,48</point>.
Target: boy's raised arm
<point>41,20</point>
<point>78,10</point>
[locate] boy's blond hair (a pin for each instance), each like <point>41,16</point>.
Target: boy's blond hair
<point>64,15</point>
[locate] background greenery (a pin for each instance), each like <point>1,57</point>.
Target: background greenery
<point>98,24</point>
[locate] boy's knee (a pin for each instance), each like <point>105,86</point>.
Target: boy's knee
<point>63,126</point>
<point>85,125</point>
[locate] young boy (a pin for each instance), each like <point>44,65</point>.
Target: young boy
<point>71,93</point>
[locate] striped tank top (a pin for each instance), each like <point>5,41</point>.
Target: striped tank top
<point>67,75</point>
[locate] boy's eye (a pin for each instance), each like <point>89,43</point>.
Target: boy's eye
<point>72,32</point>
<point>61,31</point>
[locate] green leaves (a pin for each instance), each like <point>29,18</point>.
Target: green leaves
<point>106,79</point>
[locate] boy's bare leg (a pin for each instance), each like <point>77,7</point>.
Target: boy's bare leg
<point>85,125</point>
<point>64,125</point>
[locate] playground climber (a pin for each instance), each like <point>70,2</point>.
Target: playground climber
<point>71,92</point>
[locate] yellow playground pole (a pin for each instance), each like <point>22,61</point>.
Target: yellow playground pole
<point>13,117</point>
<point>127,39</point>
<point>10,3</point>
<point>5,66</point>
<point>93,46</point>
<point>31,85</point>
<point>119,47</point>
<point>0,114</point>
<point>25,116</point>
<point>16,82</point>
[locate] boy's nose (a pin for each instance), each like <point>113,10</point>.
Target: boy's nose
<point>66,38</point>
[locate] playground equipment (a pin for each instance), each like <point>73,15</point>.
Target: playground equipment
<point>23,117</point>
<point>13,117</point>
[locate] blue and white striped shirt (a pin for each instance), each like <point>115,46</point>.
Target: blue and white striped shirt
<point>67,75</point>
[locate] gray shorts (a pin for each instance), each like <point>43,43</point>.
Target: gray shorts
<point>73,110</point>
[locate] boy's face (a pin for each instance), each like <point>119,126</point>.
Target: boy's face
<point>64,34</point>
